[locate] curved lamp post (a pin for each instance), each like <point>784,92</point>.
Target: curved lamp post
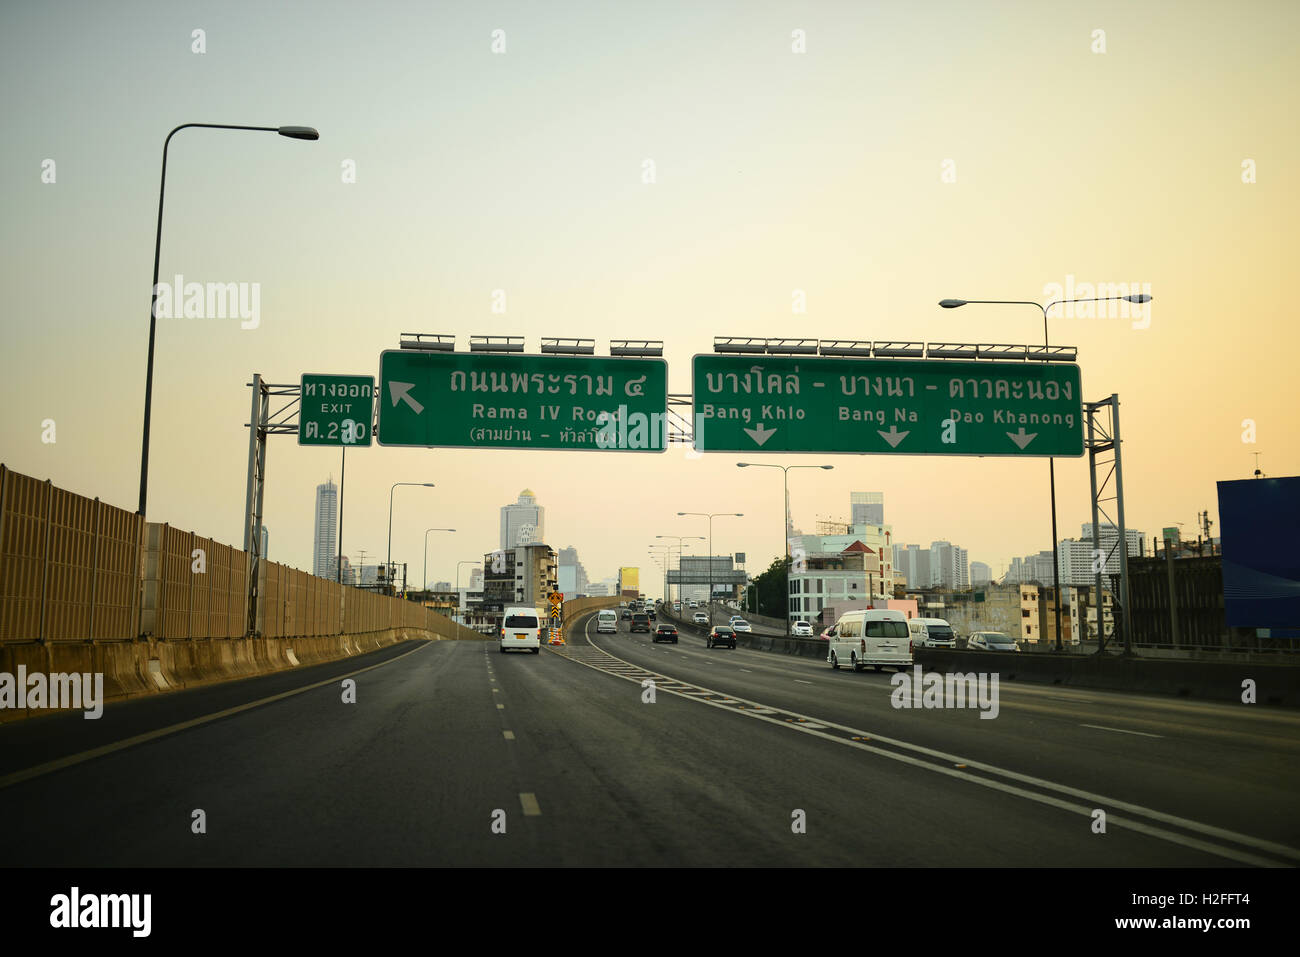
<point>1138,298</point>
<point>292,132</point>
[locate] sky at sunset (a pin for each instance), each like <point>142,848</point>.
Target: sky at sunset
<point>912,152</point>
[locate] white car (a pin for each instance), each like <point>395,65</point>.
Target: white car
<point>523,629</point>
<point>801,629</point>
<point>870,638</point>
<point>931,633</point>
<point>740,625</point>
<point>701,618</point>
<point>991,641</point>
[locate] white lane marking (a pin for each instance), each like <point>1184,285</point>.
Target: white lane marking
<point>74,759</point>
<point>528,800</point>
<point>746,671</point>
<point>1121,730</point>
<point>501,707</point>
<point>802,682</point>
<point>509,735</point>
<point>1094,800</point>
<point>496,690</point>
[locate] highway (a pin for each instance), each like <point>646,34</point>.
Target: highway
<point>446,735</point>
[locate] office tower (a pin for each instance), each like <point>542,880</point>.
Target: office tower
<point>325,552</point>
<point>523,523</point>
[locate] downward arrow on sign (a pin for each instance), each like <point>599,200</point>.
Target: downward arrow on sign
<point>760,434</point>
<point>402,391</point>
<point>893,436</point>
<point>1021,439</point>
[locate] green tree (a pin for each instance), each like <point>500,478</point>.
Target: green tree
<point>770,589</point>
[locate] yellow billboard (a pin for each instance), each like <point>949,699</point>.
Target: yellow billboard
<point>629,581</point>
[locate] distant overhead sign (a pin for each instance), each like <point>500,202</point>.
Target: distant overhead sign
<point>939,407</point>
<point>493,400</point>
<point>336,410</point>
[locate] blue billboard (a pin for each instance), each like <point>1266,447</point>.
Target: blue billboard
<point>1259,521</point>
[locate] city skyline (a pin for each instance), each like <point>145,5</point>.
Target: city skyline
<point>847,182</point>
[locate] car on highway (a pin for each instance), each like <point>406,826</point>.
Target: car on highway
<point>874,637</point>
<point>607,622</point>
<point>700,618</point>
<point>721,635</point>
<point>694,603</point>
<point>931,633</point>
<point>991,641</point>
<point>627,614</point>
<point>677,606</point>
<point>827,633</point>
<point>522,629</point>
<point>665,633</point>
<point>641,622</point>
<point>650,610</point>
<point>739,624</point>
<point>801,629</point>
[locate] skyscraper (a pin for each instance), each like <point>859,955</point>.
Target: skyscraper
<point>325,552</point>
<point>867,508</point>
<point>514,518</point>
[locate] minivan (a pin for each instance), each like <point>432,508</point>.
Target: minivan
<point>607,621</point>
<point>522,628</point>
<point>931,633</point>
<point>875,637</point>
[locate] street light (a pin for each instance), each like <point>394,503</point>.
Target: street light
<point>426,553</point>
<point>1137,298</point>
<point>785,532</point>
<point>388,564</point>
<point>679,539</point>
<point>710,516</point>
<point>293,132</point>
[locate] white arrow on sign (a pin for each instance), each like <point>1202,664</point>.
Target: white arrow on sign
<point>760,434</point>
<point>402,390</point>
<point>1021,439</point>
<point>893,436</point>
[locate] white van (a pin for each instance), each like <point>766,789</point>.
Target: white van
<point>875,637</point>
<point>607,621</point>
<point>523,628</point>
<point>931,633</point>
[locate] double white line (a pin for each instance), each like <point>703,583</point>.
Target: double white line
<point>1134,817</point>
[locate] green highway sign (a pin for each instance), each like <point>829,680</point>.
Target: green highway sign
<point>918,406</point>
<point>336,409</point>
<point>503,401</point>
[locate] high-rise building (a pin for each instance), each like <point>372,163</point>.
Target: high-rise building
<point>514,518</point>
<point>573,576</point>
<point>948,566</point>
<point>325,552</point>
<point>867,508</point>
<point>266,543</point>
<point>518,576</point>
<point>980,574</point>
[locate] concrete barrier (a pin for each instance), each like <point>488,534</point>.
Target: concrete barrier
<point>1218,680</point>
<point>1211,680</point>
<point>153,666</point>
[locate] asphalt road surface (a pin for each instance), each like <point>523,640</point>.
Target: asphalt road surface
<point>455,754</point>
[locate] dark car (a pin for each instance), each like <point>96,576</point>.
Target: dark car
<point>666,633</point>
<point>627,613</point>
<point>641,622</point>
<point>721,635</point>
<point>650,610</point>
